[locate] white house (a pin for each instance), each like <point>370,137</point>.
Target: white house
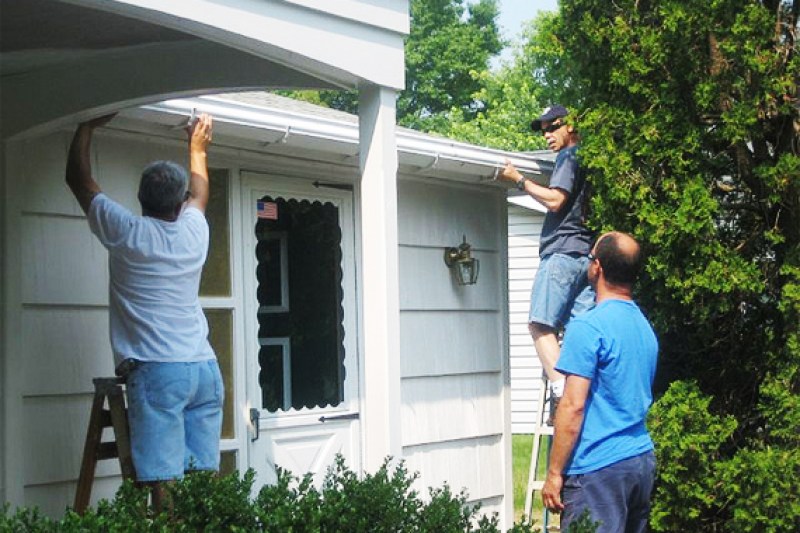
<point>406,363</point>
<point>65,61</point>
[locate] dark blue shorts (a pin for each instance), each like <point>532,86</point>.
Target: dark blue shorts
<point>617,496</point>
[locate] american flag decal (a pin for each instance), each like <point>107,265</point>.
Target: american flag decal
<point>268,210</point>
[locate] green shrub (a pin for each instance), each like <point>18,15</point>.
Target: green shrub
<point>688,438</point>
<point>761,491</point>
<point>381,502</point>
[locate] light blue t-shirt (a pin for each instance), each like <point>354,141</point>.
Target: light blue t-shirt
<point>613,345</point>
<point>155,268</point>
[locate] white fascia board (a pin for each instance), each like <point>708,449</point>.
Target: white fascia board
<point>342,132</point>
<point>388,14</point>
<point>326,43</point>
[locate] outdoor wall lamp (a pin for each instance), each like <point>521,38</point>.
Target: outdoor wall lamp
<point>462,264</point>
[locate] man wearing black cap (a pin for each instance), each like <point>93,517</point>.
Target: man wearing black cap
<point>561,288</point>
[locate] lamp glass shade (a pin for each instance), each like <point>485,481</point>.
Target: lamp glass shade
<point>467,271</point>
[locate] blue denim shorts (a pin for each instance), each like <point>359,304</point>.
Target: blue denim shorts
<point>617,496</point>
<point>561,290</point>
<point>175,417</point>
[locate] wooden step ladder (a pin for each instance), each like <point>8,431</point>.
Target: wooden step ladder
<point>541,432</point>
<point>116,416</point>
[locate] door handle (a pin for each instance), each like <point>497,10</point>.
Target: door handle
<point>255,420</point>
<point>349,416</point>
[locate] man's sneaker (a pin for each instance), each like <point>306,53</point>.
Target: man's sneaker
<point>554,401</point>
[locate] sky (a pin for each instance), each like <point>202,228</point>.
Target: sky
<point>514,12</point>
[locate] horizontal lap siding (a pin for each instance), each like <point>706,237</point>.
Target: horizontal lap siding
<point>445,408</point>
<point>524,228</point>
<point>474,464</point>
<point>452,339</point>
<point>64,309</point>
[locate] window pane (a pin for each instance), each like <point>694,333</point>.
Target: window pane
<point>302,341</point>
<point>216,280</point>
<point>227,463</point>
<point>220,335</point>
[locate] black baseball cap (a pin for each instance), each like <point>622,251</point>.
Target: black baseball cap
<point>549,114</point>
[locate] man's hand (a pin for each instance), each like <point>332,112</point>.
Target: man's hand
<point>199,139</point>
<point>509,173</point>
<point>551,492</point>
<point>200,133</point>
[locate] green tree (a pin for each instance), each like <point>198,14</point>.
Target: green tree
<point>447,44</point>
<point>511,96</point>
<point>690,120</point>
<point>450,41</point>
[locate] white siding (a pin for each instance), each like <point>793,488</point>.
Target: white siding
<point>524,228</point>
<point>453,341</point>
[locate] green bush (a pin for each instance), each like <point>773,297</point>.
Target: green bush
<point>688,439</point>
<point>381,502</point>
<point>760,490</point>
<point>704,483</point>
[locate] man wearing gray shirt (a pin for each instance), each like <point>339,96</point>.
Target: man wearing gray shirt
<point>561,288</point>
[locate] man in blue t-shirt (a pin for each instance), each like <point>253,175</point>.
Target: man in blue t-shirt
<point>561,289</point>
<point>602,457</point>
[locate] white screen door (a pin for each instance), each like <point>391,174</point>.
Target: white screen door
<point>302,360</point>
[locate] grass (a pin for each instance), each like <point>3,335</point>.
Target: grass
<point>521,446</point>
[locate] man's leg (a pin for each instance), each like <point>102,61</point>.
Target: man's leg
<point>612,495</point>
<point>157,395</point>
<point>203,418</point>
<point>545,339</point>
<point>639,509</point>
<point>550,300</point>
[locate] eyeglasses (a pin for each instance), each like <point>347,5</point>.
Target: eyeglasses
<point>551,128</point>
<point>591,257</point>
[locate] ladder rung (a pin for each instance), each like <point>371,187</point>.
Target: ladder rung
<point>107,450</point>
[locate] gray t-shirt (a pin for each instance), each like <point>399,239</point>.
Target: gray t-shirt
<point>565,230</point>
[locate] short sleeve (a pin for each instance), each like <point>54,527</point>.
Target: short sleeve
<point>195,224</point>
<point>580,349</point>
<point>565,171</point>
<point>109,221</point>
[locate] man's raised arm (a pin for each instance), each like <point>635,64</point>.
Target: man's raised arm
<point>199,139</point>
<point>79,167</point>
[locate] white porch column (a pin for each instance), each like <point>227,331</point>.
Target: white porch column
<point>381,286</point>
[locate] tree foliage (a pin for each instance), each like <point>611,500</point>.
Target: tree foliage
<point>690,122</point>
<point>510,96</point>
<point>447,45</point>
<point>450,43</point>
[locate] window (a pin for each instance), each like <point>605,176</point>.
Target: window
<point>300,317</point>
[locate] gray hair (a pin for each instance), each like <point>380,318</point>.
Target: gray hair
<point>163,187</point>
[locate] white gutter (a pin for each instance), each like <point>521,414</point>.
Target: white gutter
<point>343,131</point>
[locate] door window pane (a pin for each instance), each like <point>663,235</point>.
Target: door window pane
<point>220,335</point>
<point>216,280</point>
<point>301,359</point>
<point>227,463</point>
